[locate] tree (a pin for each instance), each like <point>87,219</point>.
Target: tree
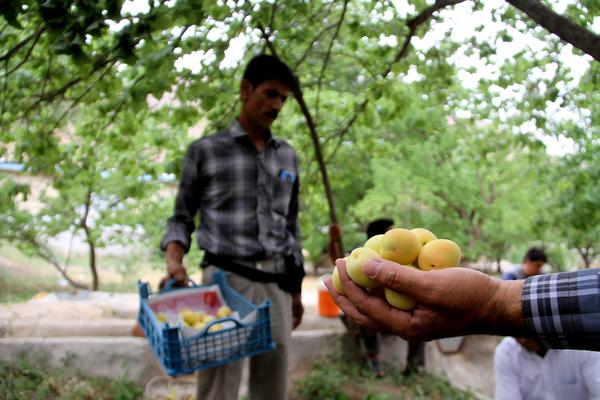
<point>576,177</point>
<point>84,76</point>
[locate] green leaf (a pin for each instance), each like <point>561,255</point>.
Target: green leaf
<point>10,12</point>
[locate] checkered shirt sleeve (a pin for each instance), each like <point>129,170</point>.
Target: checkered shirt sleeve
<point>563,309</point>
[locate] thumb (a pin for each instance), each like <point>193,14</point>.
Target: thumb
<point>400,278</point>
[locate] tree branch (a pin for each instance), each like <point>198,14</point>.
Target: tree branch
<point>26,57</point>
<point>561,26</point>
<point>121,104</point>
<point>315,139</point>
<point>327,57</point>
<point>44,252</point>
<point>462,213</point>
<point>79,98</point>
<point>272,19</point>
<point>315,39</point>
<point>310,46</point>
<point>88,236</point>
<point>412,24</point>
<point>4,90</point>
<point>21,44</point>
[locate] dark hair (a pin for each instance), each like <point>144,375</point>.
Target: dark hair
<point>536,254</point>
<point>378,227</point>
<point>266,67</point>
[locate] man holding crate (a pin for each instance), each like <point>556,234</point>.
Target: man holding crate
<point>244,183</point>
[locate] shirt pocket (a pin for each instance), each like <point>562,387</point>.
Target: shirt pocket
<point>282,195</point>
<point>573,389</point>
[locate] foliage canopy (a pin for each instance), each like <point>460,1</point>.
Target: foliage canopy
<point>417,119</point>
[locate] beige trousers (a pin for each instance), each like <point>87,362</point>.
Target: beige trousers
<point>268,371</point>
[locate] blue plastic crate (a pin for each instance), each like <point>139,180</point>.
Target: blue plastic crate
<point>183,355</point>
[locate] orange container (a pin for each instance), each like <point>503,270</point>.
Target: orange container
<point>326,305</point>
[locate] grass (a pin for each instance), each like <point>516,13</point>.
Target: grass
<point>26,380</point>
<point>21,281</point>
<point>341,377</point>
<point>22,276</point>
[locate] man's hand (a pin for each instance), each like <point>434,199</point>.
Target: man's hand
<point>297,309</point>
<point>450,302</point>
<point>175,268</point>
<point>177,272</point>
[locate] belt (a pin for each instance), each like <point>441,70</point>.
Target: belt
<point>267,270</point>
<point>273,265</point>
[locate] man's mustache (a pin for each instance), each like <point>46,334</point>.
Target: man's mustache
<point>272,114</point>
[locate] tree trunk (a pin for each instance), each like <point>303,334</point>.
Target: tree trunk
<point>585,254</point>
<point>564,28</point>
<point>93,267</point>
<point>90,241</point>
<point>45,253</point>
<point>319,154</point>
<point>316,144</point>
<point>60,270</point>
<point>498,261</point>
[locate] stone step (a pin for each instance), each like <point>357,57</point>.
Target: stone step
<point>92,306</point>
<point>44,320</point>
<point>50,327</point>
<point>99,305</point>
<point>60,327</point>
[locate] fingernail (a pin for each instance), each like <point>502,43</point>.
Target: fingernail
<point>371,267</point>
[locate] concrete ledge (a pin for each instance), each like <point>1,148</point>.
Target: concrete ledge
<point>61,327</point>
<point>119,306</point>
<point>33,327</point>
<point>110,357</point>
<point>131,357</point>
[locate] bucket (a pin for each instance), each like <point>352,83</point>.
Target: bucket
<point>326,305</point>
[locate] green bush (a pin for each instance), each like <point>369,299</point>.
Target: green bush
<point>344,376</point>
<point>26,380</point>
<point>323,382</point>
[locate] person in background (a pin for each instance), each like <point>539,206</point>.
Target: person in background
<point>526,370</point>
<point>534,260</point>
<point>371,338</point>
<point>415,358</point>
<point>244,182</point>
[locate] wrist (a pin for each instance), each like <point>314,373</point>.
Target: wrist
<point>508,309</point>
<point>174,268</point>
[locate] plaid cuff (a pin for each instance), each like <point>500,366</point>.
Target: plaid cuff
<point>176,232</point>
<point>563,309</point>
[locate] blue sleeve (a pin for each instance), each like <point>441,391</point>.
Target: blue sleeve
<point>509,276</point>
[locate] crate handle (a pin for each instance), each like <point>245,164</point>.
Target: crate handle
<point>204,330</point>
<point>169,285</point>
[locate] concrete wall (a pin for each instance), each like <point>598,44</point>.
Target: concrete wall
<point>471,368</point>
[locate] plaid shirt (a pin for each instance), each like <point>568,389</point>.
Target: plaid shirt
<point>248,201</point>
<point>564,309</point>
